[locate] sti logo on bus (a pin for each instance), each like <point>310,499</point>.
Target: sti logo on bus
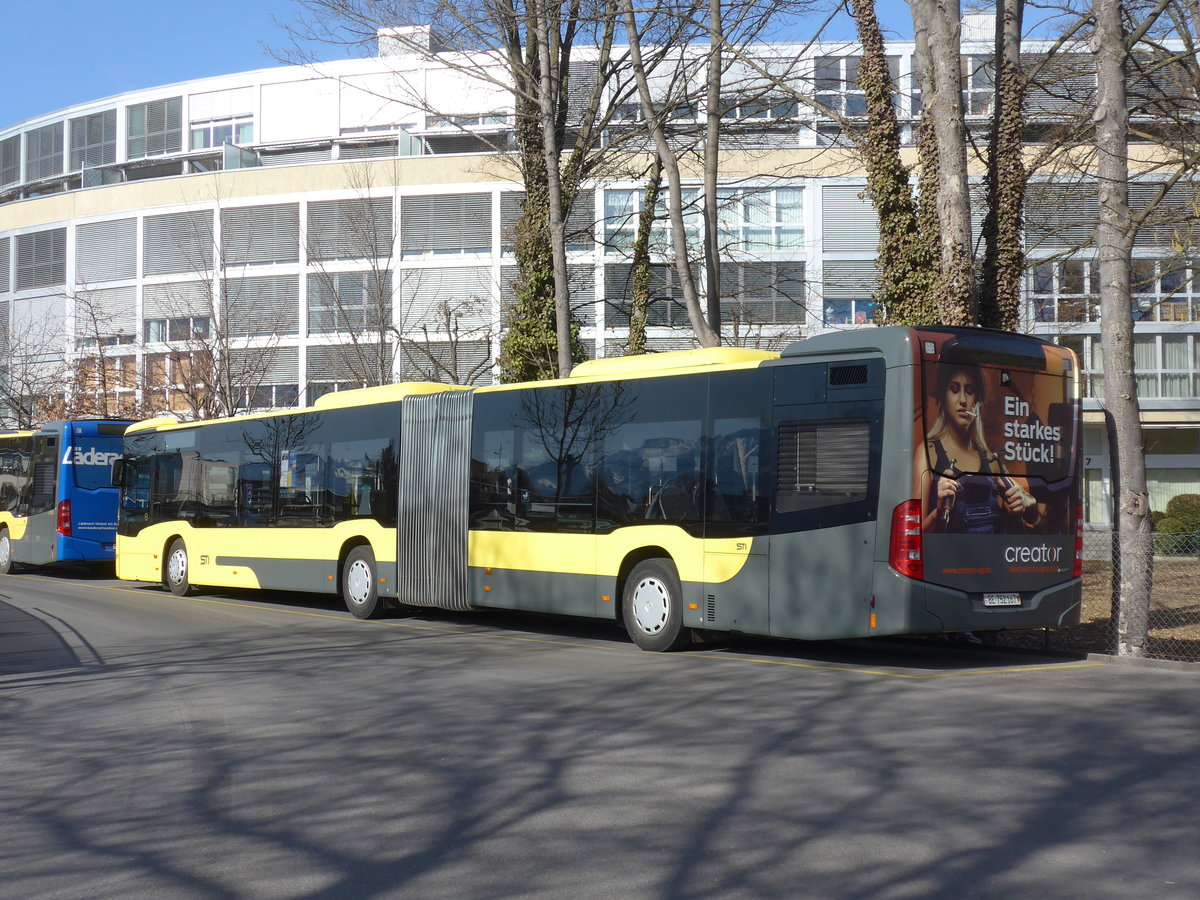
<point>76,457</point>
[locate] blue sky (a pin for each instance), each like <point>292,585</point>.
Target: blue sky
<point>62,52</point>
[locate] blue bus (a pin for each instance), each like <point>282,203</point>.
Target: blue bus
<point>57,500</point>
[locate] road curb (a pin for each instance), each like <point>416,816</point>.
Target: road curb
<point>1142,662</point>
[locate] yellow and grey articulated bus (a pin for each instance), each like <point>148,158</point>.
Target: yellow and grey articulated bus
<point>870,482</point>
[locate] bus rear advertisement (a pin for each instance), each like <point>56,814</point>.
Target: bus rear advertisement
<point>57,499</point>
<point>867,482</point>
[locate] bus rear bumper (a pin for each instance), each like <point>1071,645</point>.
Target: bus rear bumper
<point>80,550</point>
<point>1053,607</point>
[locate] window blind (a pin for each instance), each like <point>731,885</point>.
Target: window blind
<point>42,258</point>
<point>106,251</point>
<point>178,242</point>
<point>358,228</point>
<point>261,234</point>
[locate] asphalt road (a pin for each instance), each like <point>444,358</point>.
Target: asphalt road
<point>241,745</point>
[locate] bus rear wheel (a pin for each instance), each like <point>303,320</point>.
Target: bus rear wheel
<point>652,607</point>
<point>175,570</point>
<point>6,561</point>
<point>360,584</point>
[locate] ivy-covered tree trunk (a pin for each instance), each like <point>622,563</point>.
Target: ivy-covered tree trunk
<point>529,347</point>
<point>907,260</point>
<point>640,289</point>
<point>936,26</point>
<point>1003,259</point>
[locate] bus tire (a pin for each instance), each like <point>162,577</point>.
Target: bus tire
<point>652,607</point>
<point>360,584</point>
<point>7,566</point>
<point>175,569</point>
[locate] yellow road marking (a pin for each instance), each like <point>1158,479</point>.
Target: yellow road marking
<point>243,604</point>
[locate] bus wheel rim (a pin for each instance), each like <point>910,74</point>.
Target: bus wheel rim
<point>651,605</point>
<point>358,582</point>
<point>177,567</point>
<point>4,549</point>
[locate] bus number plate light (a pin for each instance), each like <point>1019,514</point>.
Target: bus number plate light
<point>1001,599</point>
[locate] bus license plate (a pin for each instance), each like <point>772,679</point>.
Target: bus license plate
<point>1001,599</point>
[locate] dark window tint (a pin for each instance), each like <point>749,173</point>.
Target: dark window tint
<point>134,513</point>
<point>822,464</point>
<point>45,474</point>
<point>309,469</point>
<point>738,488</point>
<point>14,472</point>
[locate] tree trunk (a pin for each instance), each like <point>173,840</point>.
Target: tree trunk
<point>547,37</point>
<point>906,260</point>
<point>670,162</point>
<point>640,289</point>
<point>1133,550</point>
<point>1003,259</point>
<point>712,159</point>
<point>939,21</point>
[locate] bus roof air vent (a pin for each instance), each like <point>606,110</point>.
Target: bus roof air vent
<point>844,376</point>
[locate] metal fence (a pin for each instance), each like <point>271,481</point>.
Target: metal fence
<point>1173,622</point>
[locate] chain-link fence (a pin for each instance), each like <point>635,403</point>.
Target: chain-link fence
<point>1173,624</point>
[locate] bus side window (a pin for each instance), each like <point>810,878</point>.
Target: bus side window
<point>45,471</point>
<point>135,496</point>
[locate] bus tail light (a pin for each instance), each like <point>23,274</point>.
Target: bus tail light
<point>905,552</point>
<point>64,518</point>
<point>1077,571</point>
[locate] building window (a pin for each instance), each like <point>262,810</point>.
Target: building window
<point>1162,290</point>
<point>44,152</point>
<point>238,130</point>
<point>761,221</point>
<point>978,85</point>
<point>93,140</point>
<point>849,311</point>
<point>1165,365</point>
<point>270,396</point>
<point>621,211</point>
<point>178,328</point>
<point>1066,291</point>
<point>349,301</point>
<point>42,258</point>
<point>154,128</point>
<point>10,160</point>
<point>446,224</point>
<point>472,120</point>
<point>761,109</point>
<point>835,79</point>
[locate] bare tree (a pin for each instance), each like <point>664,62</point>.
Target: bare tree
<point>220,329</point>
<point>559,110</point>
<point>35,373</point>
<point>1115,232</point>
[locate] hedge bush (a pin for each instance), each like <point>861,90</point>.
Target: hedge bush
<point>1186,509</point>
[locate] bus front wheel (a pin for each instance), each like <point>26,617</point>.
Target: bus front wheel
<point>6,561</point>
<point>652,606</point>
<point>360,584</point>
<point>175,572</point>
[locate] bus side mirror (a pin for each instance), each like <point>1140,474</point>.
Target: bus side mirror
<point>118,472</point>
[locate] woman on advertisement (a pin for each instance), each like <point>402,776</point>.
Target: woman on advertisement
<point>964,487</point>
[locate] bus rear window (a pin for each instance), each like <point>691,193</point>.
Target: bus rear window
<point>91,459</point>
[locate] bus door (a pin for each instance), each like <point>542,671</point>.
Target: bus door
<point>737,501</point>
<point>87,462</point>
<point>38,505</point>
<point>828,431</point>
